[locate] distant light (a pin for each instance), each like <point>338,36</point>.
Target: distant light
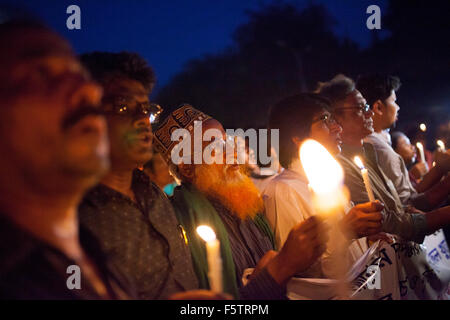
<point>441,145</point>
<point>423,127</point>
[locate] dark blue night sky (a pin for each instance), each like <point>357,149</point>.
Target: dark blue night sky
<point>169,33</point>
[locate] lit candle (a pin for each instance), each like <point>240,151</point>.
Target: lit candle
<point>423,127</point>
<point>365,175</point>
<point>213,257</point>
<point>330,197</point>
<point>419,146</point>
<point>441,145</point>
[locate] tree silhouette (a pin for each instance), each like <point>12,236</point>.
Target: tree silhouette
<point>282,50</point>
<point>279,51</point>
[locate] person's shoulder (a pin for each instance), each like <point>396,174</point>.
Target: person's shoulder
<point>15,246</point>
<point>276,184</point>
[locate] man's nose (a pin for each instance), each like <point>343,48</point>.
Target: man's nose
<point>335,127</point>
<point>143,122</point>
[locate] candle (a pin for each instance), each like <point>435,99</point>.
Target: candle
<point>213,257</point>
<point>441,145</point>
<point>330,197</point>
<point>365,175</point>
<point>419,146</point>
<point>423,127</point>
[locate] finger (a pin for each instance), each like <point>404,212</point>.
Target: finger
<point>372,225</point>
<point>370,206</point>
<point>306,225</point>
<point>375,216</point>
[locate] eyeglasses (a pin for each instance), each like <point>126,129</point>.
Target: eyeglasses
<point>361,109</point>
<point>328,119</point>
<point>122,106</point>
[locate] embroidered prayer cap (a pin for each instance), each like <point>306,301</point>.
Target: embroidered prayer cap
<point>182,118</point>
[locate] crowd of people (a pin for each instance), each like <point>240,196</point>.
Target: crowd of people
<point>88,181</point>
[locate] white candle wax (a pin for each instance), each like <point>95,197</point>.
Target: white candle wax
<point>365,175</point>
<point>441,145</point>
<point>214,265</point>
<point>213,257</point>
<point>422,154</point>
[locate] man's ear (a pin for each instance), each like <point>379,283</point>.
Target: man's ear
<point>186,170</point>
<point>377,107</point>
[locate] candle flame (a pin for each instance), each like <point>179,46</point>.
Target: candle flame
<point>419,145</point>
<point>441,144</point>
<point>206,233</point>
<point>358,162</point>
<point>423,127</point>
<point>324,173</point>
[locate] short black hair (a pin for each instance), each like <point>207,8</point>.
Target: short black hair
<point>337,89</point>
<point>104,65</point>
<point>377,86</point>
<point>394,138</point>
<point>293,117</point>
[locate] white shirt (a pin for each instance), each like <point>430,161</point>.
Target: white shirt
<point>287,201</point>
<point>392,165</point>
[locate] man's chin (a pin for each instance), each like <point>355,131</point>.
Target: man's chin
<point>141,158</point>
<point>86,172</point>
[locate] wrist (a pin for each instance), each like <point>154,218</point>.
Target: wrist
<point>279,270</point>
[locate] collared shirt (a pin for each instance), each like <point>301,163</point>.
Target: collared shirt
<point>288,201</point>
<point>410,226</point>
<point>395,169</point>
<point>32,269</point>
<point>142,239</point>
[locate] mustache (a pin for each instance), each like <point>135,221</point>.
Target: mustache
<point>75,116</point>
<point>142,130</point>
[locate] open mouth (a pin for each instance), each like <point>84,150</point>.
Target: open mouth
<point>145,138</point>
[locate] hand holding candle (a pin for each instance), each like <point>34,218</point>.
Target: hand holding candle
<point>365,175</point>
<point>213,257</point>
